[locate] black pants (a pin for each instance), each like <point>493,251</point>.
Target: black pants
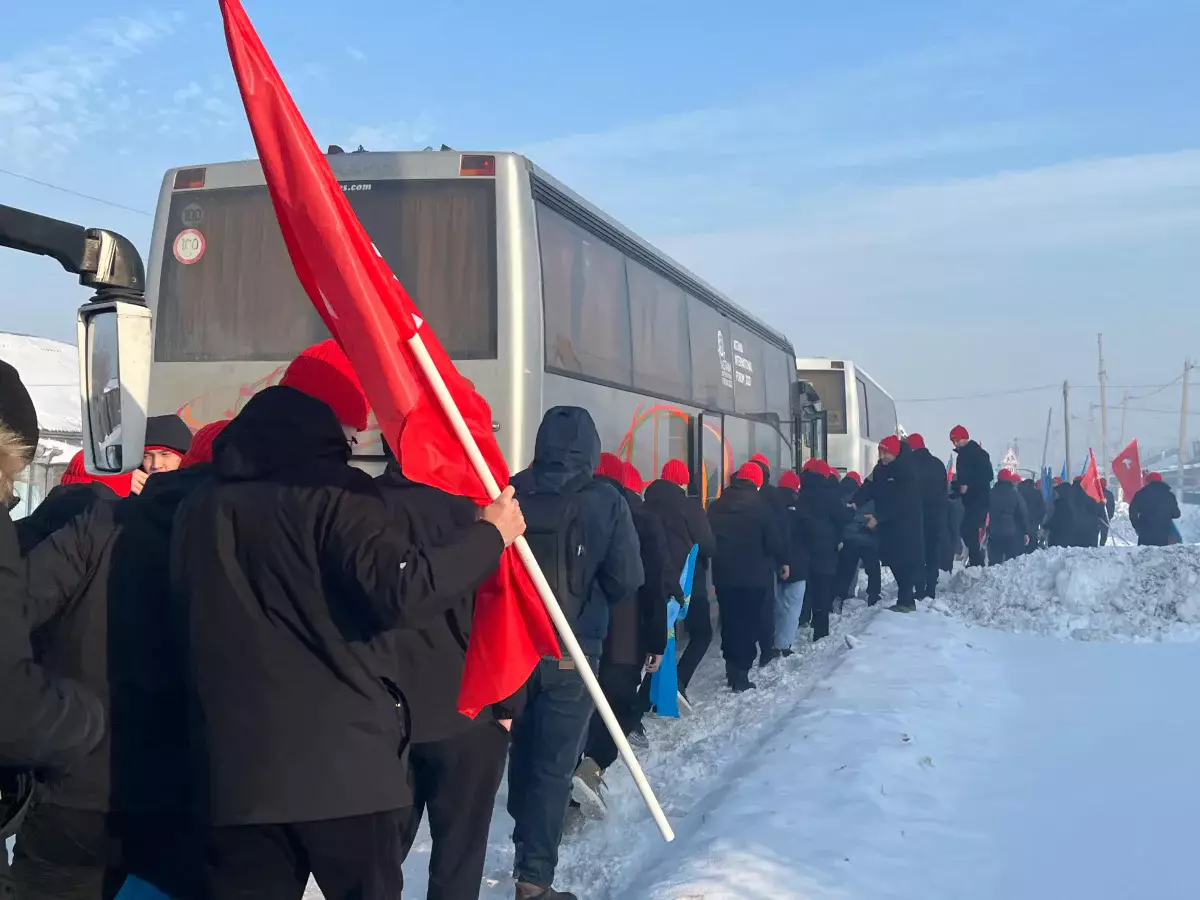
<point>699,633</point>
<point>928,577</point>
<point>742,612</point>
<point>455,781</point>
<point>1103,535</point>
<point>974,520</point>
<point>79,854</point>
<point>906,581</point>
<point>850,556</point>
<point>1002,548</point>
<point>818,595</point>
<point>354,858</point>
<point>621,688</point>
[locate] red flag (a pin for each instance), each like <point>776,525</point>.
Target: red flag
<point>1127,469</point>
<point>1091,480</point>
<point>371,315</point>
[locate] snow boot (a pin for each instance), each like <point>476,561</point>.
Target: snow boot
<point>904,607</point>
<point>527,891</point>
<point>767,657</point>
<point>741,682</point>
<point>786,654</point>
<point>873,600</point>
<point>638,739</point>
<point>586,785</point>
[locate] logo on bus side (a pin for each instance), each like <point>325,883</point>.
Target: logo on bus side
<point>726,368</point>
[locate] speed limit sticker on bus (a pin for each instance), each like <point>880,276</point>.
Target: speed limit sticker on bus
<point>189,246</point>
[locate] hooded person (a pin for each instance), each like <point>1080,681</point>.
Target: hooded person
<point>1008,522</point>
<point>286,569</point>
<point>455,763</point>
<point>100,602</point>
<point>686,526</point>
<point>167,442</point>
<point>1152,512</point>
<point>822,517</point>
<point>931,472</point>
<point>46,722</point>
<point>751,551</point>
<point>1110,509</point>
<point>895,489</point>
<point>581,531</point>
<point>973,483</point>
<point>1035,506</point>
<point>75,492</point>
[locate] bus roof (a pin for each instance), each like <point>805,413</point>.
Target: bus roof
<point>444,164</point>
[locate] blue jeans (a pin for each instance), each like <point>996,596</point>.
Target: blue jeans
<point>789,599</point>
<point>546,742</point>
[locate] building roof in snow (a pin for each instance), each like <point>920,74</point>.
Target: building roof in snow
<point>50,370</point>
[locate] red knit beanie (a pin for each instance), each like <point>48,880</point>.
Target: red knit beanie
<point>959,433</point>
<point>676,472</point>
<point>789,480</point>
<point>1153,476</point>
<point>890,444</point>
<point>751,472</point>
<point>202,444</point>
<point>77,473</point>
<point>916,442</point>
<point>761,460</point>
<point>324,373</point>
<point>855,477</point>
<point>611,467</point>
<point>632,478</point>
<point>816,465</point>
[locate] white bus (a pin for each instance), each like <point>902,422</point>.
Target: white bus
<point>539,297</point>
<point>859,413</point>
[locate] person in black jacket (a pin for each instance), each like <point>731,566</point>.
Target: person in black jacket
<point>455,763</point>
<point>1008,526</point>
<point>686,526</point>
<point>1089,513</point>
<point>859,545</point>
<point>1062,528</point>
<point>932,474</point>
<point>1035,505</point>
<point>75,492</point>
<point>548,737</point>
<point>823,518</point>
<point>895,488</point>
<point>286,567</point>
<point>973,482</point>
<point>99,588</point>
<point>751,550</point>
<point>46,723</point>
<point>1152,510</point>
<point>1110,509</point>
<point>789,593</point>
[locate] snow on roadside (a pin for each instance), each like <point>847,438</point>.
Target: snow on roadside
<point>1107,593</point>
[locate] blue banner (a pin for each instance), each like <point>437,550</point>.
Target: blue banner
<point>664,684</point>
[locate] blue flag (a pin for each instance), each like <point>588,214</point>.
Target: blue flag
<point>1065,477</point>
<point>664,684</point>
<point>1047,484</point>
<point>136,889</point>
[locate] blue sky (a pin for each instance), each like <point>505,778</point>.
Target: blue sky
<point>958,196</point>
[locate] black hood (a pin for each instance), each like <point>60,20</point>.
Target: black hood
<point>1004,486</point>
<point>168,431</point>
<point>663,491</point>
<point>279,429</point>
<point>813,481</point>
<point>165,491</point>
<point>567,448</point>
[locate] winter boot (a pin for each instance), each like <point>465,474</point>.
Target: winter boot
<point>527,891</point>
<point>767,657</point>
<point>904,607</point>
<point>873,600</point>
<point>741,682</point>
<point>586,785</point>
<point>638,738</point>
<point>787,653</point>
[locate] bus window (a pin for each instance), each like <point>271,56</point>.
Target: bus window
<point>662,356</point>
<point>586,302</point>
<point>738,437</point>
<point>864,410</point>
<point>831,388</point>
<point>709,483</point>
<point>241,301</point>
<point>883,412</point>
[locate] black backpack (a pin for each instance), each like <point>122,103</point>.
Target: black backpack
<point>554,530</point>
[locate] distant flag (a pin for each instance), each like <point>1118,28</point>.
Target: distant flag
<point>1127,469</point>
<point>950,469</point>
<point>1047,483</point>
<point>1091,479</point>
<point>1066,479</point>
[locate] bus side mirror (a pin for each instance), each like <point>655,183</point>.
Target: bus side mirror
<point>114,339</point>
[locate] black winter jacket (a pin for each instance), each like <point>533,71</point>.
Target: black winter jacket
<point>62,504</point>
<point>797,533</point>
<point>1151,512</point>
<point>567,451</point>
<point>1090,514</point>
<point>974,472</point>
<point>46,722</point>
<point>1035,505</point>
<point>287,567</point>
<point>1008,517</point>
<point>895,489</point>
<point>751,546</point>
<point>685,522</point>
<point>1063,524</point>
<point>824,517</point>
<point>931,472</point>
<point>427,663</point>
<point>99,590</point>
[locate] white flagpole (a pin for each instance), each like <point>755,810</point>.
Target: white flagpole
<point>429,368</point>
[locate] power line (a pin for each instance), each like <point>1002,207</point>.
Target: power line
<point>1047,387</point>
<point>73,193</point>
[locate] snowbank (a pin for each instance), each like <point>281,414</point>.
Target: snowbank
<point>50,370</point>
<point>1109,593</point>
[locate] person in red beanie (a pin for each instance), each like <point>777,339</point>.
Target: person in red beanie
<point>631,479</point>
<point>973,482</point>
<point>751,550</point>
<point>1152,512</point>
<point>1008,522</point>
<point>895,489</point>
<point>935,510</point>
<point>289,568</point>
<point>686,526</point>
<point>201,450</point>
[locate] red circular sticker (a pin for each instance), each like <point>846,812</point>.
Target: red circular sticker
<point>189,246</point>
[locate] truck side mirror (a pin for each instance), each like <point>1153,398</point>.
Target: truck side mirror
<point>114,383</point>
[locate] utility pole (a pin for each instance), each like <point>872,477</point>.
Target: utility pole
<point>1067,420</point>
<point>1046,445</point>
<point>1103,405</point>
<point>1183,417</point>
<point>1124,413</point>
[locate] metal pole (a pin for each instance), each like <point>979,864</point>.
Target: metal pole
<point>446,401</point>
<point>1046,444</point>
<point>1124,413</point>
<point>1104,458</point>
<point>1067,423</point>
<point>1183,417</point>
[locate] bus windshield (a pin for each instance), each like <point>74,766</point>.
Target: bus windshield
<point>830,385</point>
<point>230,295</point>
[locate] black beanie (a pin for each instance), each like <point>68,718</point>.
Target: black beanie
<point>17,412</point>
<point>168,432</point>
